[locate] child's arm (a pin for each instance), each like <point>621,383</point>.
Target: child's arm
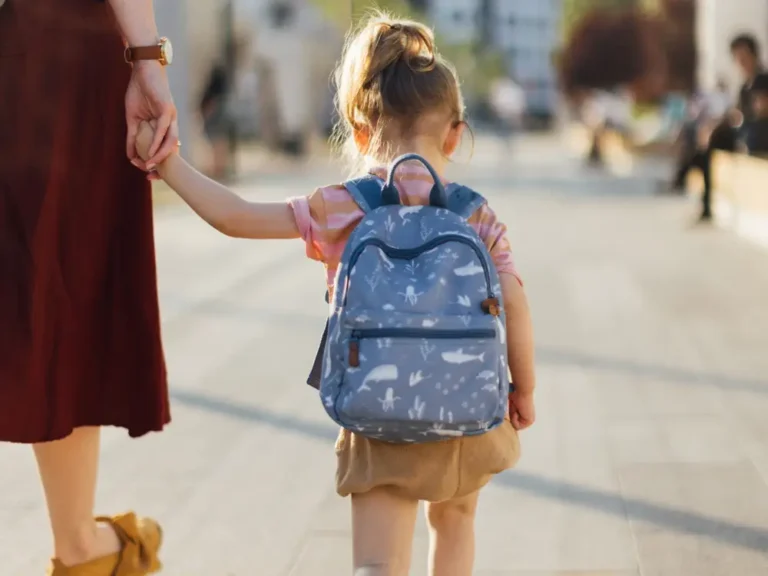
<point>520,349</point>
<point>217,205</point>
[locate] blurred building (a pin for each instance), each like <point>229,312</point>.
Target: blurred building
<point>297,49</point>
<point>198,32</point>
<point>717,22</point>
<point>527,32</point>
<point>281,82</point>
<point>458,21</point>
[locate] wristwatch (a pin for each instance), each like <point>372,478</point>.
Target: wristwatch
<point>162,52</point>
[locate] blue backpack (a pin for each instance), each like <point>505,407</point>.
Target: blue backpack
<point>414,348</point>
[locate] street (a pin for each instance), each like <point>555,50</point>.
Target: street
<point>649,456</point>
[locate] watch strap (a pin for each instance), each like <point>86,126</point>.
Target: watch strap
<point>133,54</point>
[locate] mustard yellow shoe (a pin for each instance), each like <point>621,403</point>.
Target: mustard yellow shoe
<point>141,539</point>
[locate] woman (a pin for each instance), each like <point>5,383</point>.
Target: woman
<point>80,330</point>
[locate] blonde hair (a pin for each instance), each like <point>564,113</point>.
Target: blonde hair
<point>389,78</point>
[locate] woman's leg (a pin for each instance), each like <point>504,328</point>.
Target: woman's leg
<point>452,536</point>
<point>68,470</point>
<point>382,528</point>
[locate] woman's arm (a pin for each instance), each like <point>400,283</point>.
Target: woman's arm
<point>136,19</point>
<point>221,208</point>
<point>149,95</point>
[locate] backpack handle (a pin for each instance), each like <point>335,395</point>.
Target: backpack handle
<point>437,196</point>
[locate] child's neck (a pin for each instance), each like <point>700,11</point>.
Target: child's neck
<point>425,149</point>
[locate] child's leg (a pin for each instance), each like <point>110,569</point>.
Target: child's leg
<point>68,470</point>
<point>452,536</point>
<point>382,527</point>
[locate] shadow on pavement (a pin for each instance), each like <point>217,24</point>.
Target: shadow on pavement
<point>254,414</point>
<point>749,537</point>
<point>563,357</point>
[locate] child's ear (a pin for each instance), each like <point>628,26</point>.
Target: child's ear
<point>362,138</point>
<point>453,139</point>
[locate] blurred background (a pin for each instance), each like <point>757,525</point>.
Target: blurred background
<point>622,143</point>
<point>637,65</point>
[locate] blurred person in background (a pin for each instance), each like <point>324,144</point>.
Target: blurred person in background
<point>756,131</point>
<point>709,116</point>
<point>509,103</point>
<point>605,110</point>
<point>594,114</point>
<point>217,107</point>
<point>746,53</point>
<point>723,132</point>
<point>80,326</point>
<point>217,120</point>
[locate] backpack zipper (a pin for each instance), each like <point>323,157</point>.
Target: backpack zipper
<point>357,335</point>
<point>411,253</point>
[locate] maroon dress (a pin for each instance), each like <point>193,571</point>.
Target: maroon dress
<point>79,320</point>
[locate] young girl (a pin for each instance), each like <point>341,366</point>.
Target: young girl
<point>395,95</point>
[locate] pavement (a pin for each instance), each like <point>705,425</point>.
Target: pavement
<point>649,457</point>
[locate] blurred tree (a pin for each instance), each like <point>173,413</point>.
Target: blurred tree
<point>679,17</point>
<point>575,10</point>
<point>608,49</point>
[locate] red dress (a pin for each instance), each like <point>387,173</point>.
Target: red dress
<point>79,319</point>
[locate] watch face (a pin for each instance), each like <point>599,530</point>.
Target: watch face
<point>167,51</point>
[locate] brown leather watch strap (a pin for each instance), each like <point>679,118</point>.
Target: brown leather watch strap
<point>133,54</point>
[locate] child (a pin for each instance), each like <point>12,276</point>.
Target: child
<point>395,95</point>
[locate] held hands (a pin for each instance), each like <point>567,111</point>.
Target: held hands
<point>145,136</point>
<point>149,98</point>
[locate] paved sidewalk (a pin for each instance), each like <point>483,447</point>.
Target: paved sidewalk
<point>650,456</point>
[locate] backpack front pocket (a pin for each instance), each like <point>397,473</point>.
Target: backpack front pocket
<point>425,381</point>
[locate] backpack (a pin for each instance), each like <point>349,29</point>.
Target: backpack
<point>415,345</point>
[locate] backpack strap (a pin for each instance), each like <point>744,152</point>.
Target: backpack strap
<point>463,201</point>
<point>366,192</point>
<point>316,373</point>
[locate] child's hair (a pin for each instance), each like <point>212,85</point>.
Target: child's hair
<point>389,79</point>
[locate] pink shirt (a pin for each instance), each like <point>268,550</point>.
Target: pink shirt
<point>327,217</point>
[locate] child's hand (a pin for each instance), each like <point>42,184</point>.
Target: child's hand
<point>144,139</point>
<point>522,412</point>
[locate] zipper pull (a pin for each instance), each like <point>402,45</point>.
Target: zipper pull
<point>354,351</point>
<point>491,306</point>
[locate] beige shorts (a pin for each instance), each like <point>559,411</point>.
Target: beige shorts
<point>435,471</point>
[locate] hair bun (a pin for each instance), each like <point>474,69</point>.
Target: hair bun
<point>418,44</point>
<point>408,42</point>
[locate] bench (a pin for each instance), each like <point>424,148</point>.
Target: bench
<point>740,192</point>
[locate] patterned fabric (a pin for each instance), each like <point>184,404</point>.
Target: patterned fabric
<point>412,355</point>
<point>328,216</point>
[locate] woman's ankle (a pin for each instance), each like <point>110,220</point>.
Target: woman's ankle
<point>85,543</point>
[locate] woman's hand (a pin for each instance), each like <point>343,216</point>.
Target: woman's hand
<point>149,98</point>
